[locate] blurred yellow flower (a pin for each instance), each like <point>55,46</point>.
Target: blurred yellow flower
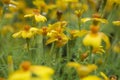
<point>91,77</point>
<point>95,40</point>
<point>28,32</point>
<point>6,29</point>
<point>41,5</point>
<point>37,16</point>
<point>82,9</point>
<point>94,37</point>
<point>83,70</point>
<point>32,72</point>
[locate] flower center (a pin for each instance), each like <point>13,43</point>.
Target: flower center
<point>27,28</point>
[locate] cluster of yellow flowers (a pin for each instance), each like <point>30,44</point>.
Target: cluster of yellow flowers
<point>59,22</point>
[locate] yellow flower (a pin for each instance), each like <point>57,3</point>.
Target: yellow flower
<point>95,40</point>
<point>91,77</point>
<point>117,23</point>
<point>26,33</point>
<point>55,33</point>
<point>37,16</point>
<point>94,37</point>
<point>83,70</point>
<point>58,27</point>
<point>32,72</point>
<point>59,38</point>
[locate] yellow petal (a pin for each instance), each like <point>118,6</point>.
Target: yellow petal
<point>34,30</point>
<point>81,33</point>
<point>100,20</point>
<point>91,77</point>
<point>51,40</point>
<point>106,40</point>
<point>20,75</point>
<point>17,35</point>
<point>29,15</point>
<point>117,23</point>
<point>27,34</point>
<point>93,40</point>
<point>42,71</point>
<point>85,19</point>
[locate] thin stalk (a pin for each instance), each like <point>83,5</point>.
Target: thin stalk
<point>28,44</point>
<point>10,65</point>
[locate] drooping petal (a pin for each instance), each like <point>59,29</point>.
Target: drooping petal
<point>51,40</point>
<point>106,40</point>
<point>17,35</point>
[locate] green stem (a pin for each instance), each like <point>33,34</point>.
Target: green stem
<point>79,23</point>
<point>28,45</point>
<point>52,49</point>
